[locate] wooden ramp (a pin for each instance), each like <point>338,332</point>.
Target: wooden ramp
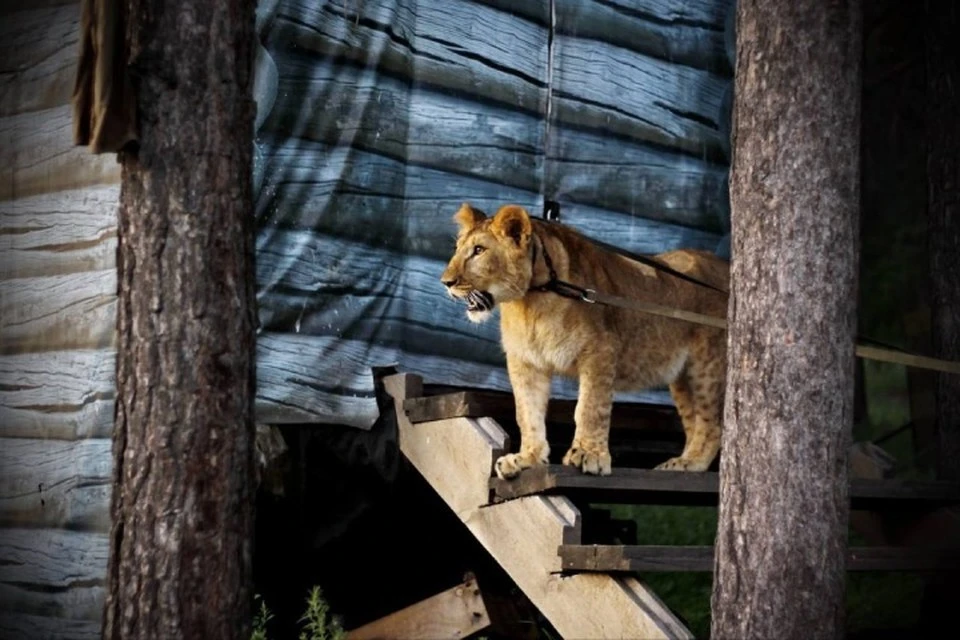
<point>534,525</point>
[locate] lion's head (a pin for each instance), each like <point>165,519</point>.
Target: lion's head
<point>491,262</point>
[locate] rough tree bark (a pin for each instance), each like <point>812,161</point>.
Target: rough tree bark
<point>943,175</point>
<point>180,558</point>
<point>781,539</point>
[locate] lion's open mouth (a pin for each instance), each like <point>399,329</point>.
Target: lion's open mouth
<point>479,301</point>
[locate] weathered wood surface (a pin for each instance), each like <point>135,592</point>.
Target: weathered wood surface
<point>641,558</point>
<point>39,47</point>
<point>22,626</point>
<point>59,233</point>
<point>59,395</point>
<point>71,311</point>
<point>37,155</point>
<point>501,407</point>
<point>55,483</point>
<point>51,573</point>
<point>452,614</point>
<point>523,535</point>
<point>459,135</point>
<point>649,486</point>
<point>596,84</point>
<point>687,33</point>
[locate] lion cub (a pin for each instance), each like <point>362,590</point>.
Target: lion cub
<point>500,261</point>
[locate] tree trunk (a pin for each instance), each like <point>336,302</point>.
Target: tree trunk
<point>782,531</point>
<point>943,175</point>
<point>182,511</point>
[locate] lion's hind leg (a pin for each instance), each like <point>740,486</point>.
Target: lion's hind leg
<point>698,395</point>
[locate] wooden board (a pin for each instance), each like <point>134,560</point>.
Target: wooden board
<point>450,615</point>
<point>500,406</point>
<point>39,49</point>
<point>669,105</point>
<point>701,558</point>
<point>37,155</point>
<point>22,626</point>
<point>56,483</point>
<point>52,573</point>
<point>648,486</point>
<point>60,395</point>
<point>464,136</point>
<point>456,457</point>
<point>59,233</point>
<point>71,311</point>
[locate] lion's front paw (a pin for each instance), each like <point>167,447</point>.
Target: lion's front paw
<point>683,464</point>
<point>596,463</point>
<point>511,464</point>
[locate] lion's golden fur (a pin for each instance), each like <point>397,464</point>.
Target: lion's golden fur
<point>606,347</point>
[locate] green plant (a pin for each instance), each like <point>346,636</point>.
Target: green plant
<point>260,620</point>
<point>317,625</point>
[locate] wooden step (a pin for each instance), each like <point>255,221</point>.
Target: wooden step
<point>448,402</point>
<point>647,486</point>
<point>634,558</point>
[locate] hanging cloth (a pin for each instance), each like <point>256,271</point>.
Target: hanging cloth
<point>104,103</point>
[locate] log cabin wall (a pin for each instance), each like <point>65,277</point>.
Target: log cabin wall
<point>376,119</point>
<point>390,113</point>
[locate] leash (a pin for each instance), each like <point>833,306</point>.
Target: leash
<point>592,296</point>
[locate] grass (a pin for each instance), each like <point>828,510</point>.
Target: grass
<point>317,621</point>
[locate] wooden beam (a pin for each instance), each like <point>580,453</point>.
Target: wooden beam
<point>648,486</point>
<point>620,558</point>
<point>456,457</point>
<point>500,406</point>
<point>450,615</point>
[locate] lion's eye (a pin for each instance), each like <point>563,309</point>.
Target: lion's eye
<point>477,250</point>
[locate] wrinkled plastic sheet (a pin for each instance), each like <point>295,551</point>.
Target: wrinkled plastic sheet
<point>378,118</point>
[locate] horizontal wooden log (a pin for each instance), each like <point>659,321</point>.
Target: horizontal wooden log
<point>59,395</point>
<point>39,49</point>
<point>649,486</point>
<point>500,406</point>
<point>687,33</point>
<point>52,558</point>
<point>22,626</point>
<point>59,233</point>
<point>55,484</point>
<point>596,85</point>
<point>452,133</point>
<point>51,582</point>
<point>37,155</point>
<point>650,558</point>
<point>383,202</point>
<point>69,311</point>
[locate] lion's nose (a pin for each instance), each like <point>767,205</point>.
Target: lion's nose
<point>449,283</point>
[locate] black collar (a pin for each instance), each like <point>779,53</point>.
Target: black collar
<point>549,285</point>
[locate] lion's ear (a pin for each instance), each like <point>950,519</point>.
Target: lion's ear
<point>467,217</point>
<point>512,221</point>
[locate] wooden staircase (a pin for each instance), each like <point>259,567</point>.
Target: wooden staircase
<point>534,525</point>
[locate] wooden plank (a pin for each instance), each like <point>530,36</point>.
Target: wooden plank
<point>493,142</point>
<point>687,33</point>
<point>71,311</point>
<point>670,105</point>
<point>21,626</point>
<point>59,233</point>
<point>56,484</point>
<point>648,486</point>
<point>37,155</point>
<point>52,559</point>
<point>452,614</point>
<point>630,558</point>
<point>74,604</point>
<point>61,395</point>
<point>39,49</point>
<point>500,406</point>
<point>456,456</point>
<point>361,196</point>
